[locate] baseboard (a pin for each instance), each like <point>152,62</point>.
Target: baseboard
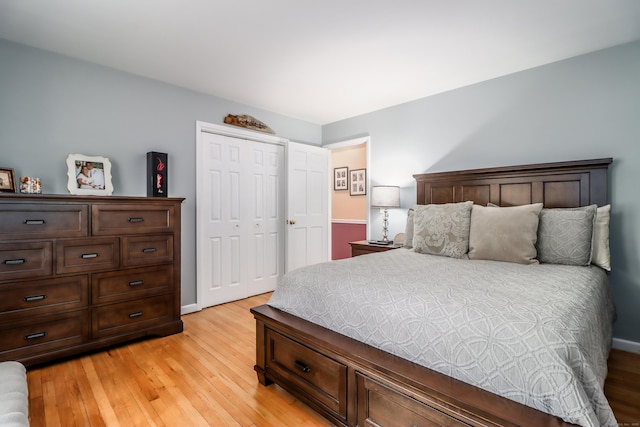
<point>630,346</point>
<point>191,308</point>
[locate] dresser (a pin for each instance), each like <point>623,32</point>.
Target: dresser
<point>82,273</point>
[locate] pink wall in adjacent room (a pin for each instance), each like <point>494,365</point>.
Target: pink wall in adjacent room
<point>348,213</point>
<point>343,233</point>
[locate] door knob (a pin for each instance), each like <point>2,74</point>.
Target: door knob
<point>292,221</point>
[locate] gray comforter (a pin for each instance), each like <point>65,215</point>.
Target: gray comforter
<point>536,334</point>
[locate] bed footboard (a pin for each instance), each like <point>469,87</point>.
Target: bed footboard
<point>353,384</point>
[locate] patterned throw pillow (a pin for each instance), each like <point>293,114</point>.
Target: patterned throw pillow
<point>442,229</point>
<point>565,235</point>
<point>504,234</point>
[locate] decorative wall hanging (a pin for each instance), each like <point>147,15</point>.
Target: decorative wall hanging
<point>246,121</point>
<point>358,182</point>
<point>89,175</point>
<point>340,178</point>
<point>157,174</point>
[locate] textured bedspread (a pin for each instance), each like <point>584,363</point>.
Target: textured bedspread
<point>536,334</point>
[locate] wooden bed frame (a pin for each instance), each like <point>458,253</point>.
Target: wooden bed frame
<point>353,384</point>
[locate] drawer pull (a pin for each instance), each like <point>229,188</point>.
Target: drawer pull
<point>35,221</point>
<point>136,283</point>
<point>302,366</point>
<point>35,336</point>
<point>136,219</point>
<point>136,314</point>
<point>89,256</point>
<point>14,261</point>
<point>34,298</point>
<point>149,250</point>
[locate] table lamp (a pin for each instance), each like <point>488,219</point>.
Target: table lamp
<point>385,197</point>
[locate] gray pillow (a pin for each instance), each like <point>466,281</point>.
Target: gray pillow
<point>504,234</point>
<point>408,231</point>
<point>601,254</point>
<point>565,235</point>
<point>442,229</point>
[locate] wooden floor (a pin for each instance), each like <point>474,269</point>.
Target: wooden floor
<point>205,377</point>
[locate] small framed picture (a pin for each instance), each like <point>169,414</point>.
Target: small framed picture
<point>89,175</point>
<point>7,180</point>
<point>358,182</point>
<point>340,178</point>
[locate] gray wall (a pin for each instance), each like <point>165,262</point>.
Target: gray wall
<point>582,108</point>
<point>52,106</point>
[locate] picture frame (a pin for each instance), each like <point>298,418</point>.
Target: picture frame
<point>358,182</point>
<point>89,175</point>
<point>7,180</point>
<point>341,178</point>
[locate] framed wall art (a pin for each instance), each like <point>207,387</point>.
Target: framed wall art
<point>7,180</point>
<point>358,182</point>
<point>89,175</point>
<point>157,174</point>
<point>340,178</point>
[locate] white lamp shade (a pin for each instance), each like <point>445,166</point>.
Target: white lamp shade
<point>385,196</point>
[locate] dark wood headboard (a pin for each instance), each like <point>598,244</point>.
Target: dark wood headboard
<point>557,185</point>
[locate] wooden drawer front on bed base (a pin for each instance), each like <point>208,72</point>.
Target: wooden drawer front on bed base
<point>321,378</point>
<point>380,405</point>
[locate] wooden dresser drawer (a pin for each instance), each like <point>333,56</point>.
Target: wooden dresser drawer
<point>21,339</point>
<point>322,378</point>
<point>147,250</point>
<point>39,220</point>
<point>116,220</point>
<point>37,297</point>
<point>80,255</point>
<point>123,285</point>
<point>380,405</point>
<point>25,260</point>
<point>131,315</point>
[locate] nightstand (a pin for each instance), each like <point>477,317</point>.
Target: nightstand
<point>362,247</point>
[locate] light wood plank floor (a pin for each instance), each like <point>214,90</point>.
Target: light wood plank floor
<point>205,377</point>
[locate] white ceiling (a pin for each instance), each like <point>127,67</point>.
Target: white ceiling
<point>321,60</point>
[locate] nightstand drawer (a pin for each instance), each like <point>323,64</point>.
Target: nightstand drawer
<point>116,220</point>
<point>26,260</point>
<point>320,376</point>
<point>81,255</point>
<point>37,221</point>
<point>131,315</point>
<point>147,250</point>
<point>37,297</point>
<point>128,284</point>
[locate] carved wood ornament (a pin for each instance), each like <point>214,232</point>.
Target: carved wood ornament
<point>249,122</point>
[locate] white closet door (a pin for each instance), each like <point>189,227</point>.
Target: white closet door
<point>266,223</point>
<point>240,218</point>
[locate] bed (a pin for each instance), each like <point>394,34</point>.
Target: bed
<point>365,342</point>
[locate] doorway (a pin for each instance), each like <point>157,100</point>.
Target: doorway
<point>349,205</point>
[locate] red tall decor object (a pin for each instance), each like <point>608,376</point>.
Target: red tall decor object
<point>157,174</point>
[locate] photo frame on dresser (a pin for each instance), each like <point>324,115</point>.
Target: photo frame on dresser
<point>89,175</point>
<point>7,180</point>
